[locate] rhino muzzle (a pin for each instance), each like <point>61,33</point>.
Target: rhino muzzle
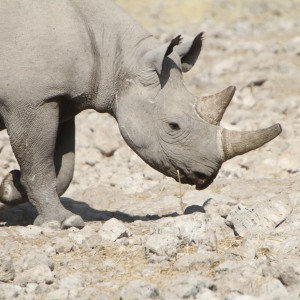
<point>199,179</point>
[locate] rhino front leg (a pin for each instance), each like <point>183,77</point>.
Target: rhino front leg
<point>13,193</point>
<point>33,138</point>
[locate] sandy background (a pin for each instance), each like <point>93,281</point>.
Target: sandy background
<point>238,239</point>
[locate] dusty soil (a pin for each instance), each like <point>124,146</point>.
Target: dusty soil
<point>149,238</point>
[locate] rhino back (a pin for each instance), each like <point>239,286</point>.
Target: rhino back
<point>44,50</point>
<point>72,47</point>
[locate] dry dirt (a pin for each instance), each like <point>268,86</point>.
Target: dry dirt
<point>149,238</point>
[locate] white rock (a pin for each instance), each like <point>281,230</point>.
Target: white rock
<point>207,294</point>
<point>30,231</point>
<point>188,228</point>
<point>287,269</point>
<point>7,270</point>
<point>62,245</point>
<point>161,245</point>
<point>273,290</point>
<point>86,238</point>
<point>135,183</point>
<point>73,281</point>
<point>242,297</point>
<point>245,250</point>
<point>9,291</point>
<point>114,229</point>
<point>94,293</point>
<point>139,289</point>
<point>49,250</point>
<point>38,274</point>
<point>195,260</point>
<point>185,287</point>
<point>227,265</point>
<point>34,259</point>
<point>58,294</point>
<point>261,215</point>
<point>31,288</point>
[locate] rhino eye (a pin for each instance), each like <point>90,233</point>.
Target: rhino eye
<point>174,126</point>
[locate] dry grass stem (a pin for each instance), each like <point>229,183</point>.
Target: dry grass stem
<point>180,192</point>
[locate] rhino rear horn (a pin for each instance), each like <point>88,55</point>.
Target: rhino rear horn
<point>189,52</point>
<point>154,58</point>
<point>211,108</point>
<point>239,142</point>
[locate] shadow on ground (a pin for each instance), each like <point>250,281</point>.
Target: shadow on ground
<point>25,214</point>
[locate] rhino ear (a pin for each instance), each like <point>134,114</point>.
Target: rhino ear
<point>189,52</point>
<point>154,58</point>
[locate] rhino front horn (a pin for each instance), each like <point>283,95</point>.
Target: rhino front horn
<point>211,108</point>
<point>239,142</point>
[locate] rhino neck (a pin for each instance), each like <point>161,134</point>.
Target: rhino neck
<point>116,42</point>
<point>125,68</point>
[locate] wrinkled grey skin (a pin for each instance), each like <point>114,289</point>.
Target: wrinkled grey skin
<point>173,137</point>
<point>60,57</point>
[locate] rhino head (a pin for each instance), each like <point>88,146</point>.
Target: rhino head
<point>174,131</point>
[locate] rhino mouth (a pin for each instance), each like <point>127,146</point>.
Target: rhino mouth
<point>200,180</point>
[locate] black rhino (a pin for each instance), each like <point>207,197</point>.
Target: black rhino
<point>60,57</point>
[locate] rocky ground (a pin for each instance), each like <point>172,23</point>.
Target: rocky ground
<point>147,237</point>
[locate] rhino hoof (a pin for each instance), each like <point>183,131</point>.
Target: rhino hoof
<point>73,221</point>
<point>70,221</point>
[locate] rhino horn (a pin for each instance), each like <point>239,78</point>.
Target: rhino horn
<point>239,142</point>
<point>211,108</point>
